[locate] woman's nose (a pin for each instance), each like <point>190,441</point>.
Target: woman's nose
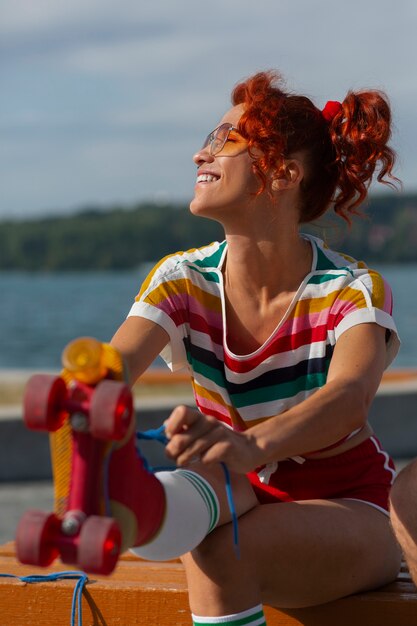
<point>203,156</point>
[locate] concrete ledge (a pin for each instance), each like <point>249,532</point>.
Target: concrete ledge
<point>24,454</point>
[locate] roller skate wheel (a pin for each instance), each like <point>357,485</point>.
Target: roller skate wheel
<point>111,410</point>
<point>99,545</point>
<point>44,402</point>
<point>36,538</point>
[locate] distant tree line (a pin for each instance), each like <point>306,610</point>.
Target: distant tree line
<point>385,232</point>
<point>101,239</point>
<point>123,238</point>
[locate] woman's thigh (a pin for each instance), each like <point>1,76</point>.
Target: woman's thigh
<point>294,554</point>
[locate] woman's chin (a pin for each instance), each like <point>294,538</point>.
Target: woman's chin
<point>199,207</point>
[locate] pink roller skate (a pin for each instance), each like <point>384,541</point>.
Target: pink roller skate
<point>105,500</point>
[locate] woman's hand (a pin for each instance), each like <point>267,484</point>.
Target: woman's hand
<point>197,437</point>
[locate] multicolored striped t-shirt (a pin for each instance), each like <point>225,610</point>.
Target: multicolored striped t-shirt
<point>184,293</point>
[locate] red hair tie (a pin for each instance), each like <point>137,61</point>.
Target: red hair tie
<point>330,110</point>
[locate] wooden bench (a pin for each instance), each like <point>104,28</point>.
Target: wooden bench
<point>142,593</point>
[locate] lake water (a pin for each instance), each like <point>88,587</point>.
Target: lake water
<point>41,313</point>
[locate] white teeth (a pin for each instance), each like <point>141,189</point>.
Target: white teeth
<point>206,178</point>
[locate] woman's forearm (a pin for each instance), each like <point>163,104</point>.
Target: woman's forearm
<point>334,411</point>
<point>327,416</point>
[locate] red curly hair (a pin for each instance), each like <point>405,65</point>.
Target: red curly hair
<point>340,156</point>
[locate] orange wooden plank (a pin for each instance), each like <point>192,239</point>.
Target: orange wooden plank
<point>400,375</point>
<point>142,593</point>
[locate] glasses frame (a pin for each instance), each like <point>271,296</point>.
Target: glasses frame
<point>211,137</point>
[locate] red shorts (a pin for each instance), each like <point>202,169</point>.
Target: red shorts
<point>363,473</point>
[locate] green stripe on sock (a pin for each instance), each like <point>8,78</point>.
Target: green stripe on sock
<point>200,488</point>
<point>205,493</point>
<point>242,621</point>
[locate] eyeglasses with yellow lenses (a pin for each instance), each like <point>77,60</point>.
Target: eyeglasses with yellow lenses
<point>225,140</point>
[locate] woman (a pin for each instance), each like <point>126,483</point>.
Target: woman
<point>286,342</point>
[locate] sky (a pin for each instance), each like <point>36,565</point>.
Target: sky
<point>104,102</point>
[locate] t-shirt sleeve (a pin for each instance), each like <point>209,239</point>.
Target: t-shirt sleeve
<point>367,298</point>
<point>162,299</point>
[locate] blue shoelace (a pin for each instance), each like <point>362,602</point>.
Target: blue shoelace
<point>77,596</point>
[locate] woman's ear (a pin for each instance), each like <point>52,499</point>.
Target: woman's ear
<point>289,175</point>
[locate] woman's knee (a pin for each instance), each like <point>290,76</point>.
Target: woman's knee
<point>244,498</point>
<point>217,556</point>
<point>403,501</point>
<point>403,496</point>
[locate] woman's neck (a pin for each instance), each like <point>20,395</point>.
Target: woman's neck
<point>265,267</point>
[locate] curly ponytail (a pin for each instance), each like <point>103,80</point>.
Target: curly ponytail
<point>340,155</point>
<point>360,134</point>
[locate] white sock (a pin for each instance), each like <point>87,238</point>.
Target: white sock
<point>192,511</point>
<point>251,617</point>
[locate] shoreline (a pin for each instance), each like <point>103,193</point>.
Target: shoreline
<point>163,383</point>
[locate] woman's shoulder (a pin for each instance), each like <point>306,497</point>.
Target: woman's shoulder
<point>334,270</point>
<point>327,259</point>
<point>185,263</point>
<point>206,257</point>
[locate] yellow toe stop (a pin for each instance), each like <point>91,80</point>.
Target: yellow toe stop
<point>88,360</point>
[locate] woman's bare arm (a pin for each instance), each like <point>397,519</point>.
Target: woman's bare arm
<point>339,407</point>
<point>139,341</point>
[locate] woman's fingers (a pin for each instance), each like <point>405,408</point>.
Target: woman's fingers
<point>181,418</point>
<point>187,432</point>
<point>194,436</point>
<point>197,449</point>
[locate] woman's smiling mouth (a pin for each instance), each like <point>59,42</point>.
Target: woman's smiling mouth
<point>207,178</point>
